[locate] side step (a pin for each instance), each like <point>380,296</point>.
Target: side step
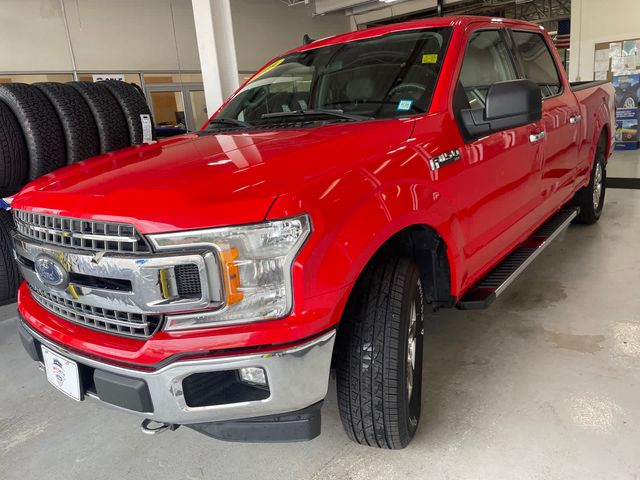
<point>483,293</point>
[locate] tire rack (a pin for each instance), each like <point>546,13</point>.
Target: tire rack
<point>48,125</point>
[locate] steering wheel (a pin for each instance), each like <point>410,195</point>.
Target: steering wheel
<point>415,88</point>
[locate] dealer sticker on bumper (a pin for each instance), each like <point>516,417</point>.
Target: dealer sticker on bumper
<point>62,373</point>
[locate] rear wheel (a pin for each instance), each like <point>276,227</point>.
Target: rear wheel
<point>590,199</point>
<point>379,370</point>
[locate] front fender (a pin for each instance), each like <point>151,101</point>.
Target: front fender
<point>355,213</point>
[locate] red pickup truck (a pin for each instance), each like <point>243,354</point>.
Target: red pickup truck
<point>350,188</point>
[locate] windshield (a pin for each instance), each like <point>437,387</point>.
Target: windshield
<point>383,77</point>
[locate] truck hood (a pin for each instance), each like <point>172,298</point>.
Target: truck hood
<point>200,181</point>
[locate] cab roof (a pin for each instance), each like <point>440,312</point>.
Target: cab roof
<point>453,21</point>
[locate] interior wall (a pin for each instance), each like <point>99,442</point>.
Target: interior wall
<point>33,37</point>
<point>128,35</point>
<point>266,28</point>
<point>597,21</point>
<point>114,35</point>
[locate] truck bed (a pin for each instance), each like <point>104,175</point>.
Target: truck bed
<point>577,86</point>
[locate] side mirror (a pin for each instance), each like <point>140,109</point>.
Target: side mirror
<point>508,105</point>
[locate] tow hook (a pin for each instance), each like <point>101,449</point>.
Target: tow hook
<point>151,427</point>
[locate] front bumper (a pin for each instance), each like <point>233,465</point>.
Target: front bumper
<point>297,378</point>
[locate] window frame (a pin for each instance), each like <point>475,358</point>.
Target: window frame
<point>506,38</point>
<point>520,64</point>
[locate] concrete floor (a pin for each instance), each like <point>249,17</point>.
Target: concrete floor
<point>624,164</point>
<point>544,384</point>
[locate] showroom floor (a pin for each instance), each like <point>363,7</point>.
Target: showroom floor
<point>545,384</point>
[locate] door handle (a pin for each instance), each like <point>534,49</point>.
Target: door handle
<point>536,137</point>
<point>573,119</point>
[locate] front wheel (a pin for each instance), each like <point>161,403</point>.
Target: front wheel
<point>590,199</point>
<point>379,370</point>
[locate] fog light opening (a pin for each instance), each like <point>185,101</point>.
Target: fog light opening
<point>253,376</point>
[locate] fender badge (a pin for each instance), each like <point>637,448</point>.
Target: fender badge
<point>444,159</point>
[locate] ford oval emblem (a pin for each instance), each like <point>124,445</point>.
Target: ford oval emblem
<point>51,272</point>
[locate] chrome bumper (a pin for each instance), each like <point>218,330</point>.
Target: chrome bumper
<point>298,377</point>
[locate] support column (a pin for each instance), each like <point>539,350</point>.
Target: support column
<point>217,50</point>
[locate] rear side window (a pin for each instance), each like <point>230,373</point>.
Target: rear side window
<point>537,62</point>
<point>486,61</point>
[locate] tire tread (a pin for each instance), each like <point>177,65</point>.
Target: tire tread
<point>9,274</point>
<point>14,157</point>
<point>113,133</point>
<point>40,126</point>
<point>80,130</point>
<point>371,407</point>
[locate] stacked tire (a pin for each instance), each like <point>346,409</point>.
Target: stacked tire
<point>46,126</point>
<point>9,275</point>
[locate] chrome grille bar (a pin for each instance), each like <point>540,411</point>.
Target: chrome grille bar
<point>80,234</point>
<point>112,321</point>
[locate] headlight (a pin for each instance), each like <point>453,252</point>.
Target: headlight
<point>255,264</point>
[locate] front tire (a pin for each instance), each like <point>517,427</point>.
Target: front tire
<point>590,199</point>
<point>379,369</point>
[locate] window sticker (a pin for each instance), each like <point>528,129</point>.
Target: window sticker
<point>430,58</point>
<point>404,105</point>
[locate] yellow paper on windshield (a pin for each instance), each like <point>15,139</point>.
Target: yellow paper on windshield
<point>430,58</point>
<point>268,68</point>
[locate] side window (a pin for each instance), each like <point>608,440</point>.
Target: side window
<point>486,61</point>
<point>537,62</point>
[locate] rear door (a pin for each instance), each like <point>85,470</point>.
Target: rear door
<point>560,118</point>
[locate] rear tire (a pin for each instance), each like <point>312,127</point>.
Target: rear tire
<point>40,126</point>
<point>113,133</point>
<point>9,274</point>
<point>133,104</point>
<point>590,199</point>
<point>80,131</point>
<point>14,157</point>
<point>379,365</point>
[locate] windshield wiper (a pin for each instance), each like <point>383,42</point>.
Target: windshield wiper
<point>229,121</point>
<point>315,113</point>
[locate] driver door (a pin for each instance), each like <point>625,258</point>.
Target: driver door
<point>498,187</point>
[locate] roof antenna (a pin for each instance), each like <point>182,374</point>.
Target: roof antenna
<point>307,39</point>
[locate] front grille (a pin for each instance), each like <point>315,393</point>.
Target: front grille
<point>188,280</point>
<point>81,234</point>
<point>112,321</point>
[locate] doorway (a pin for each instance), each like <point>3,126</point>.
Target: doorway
<point>180,106</point>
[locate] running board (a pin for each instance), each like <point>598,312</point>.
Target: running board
<point>483,293</point>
